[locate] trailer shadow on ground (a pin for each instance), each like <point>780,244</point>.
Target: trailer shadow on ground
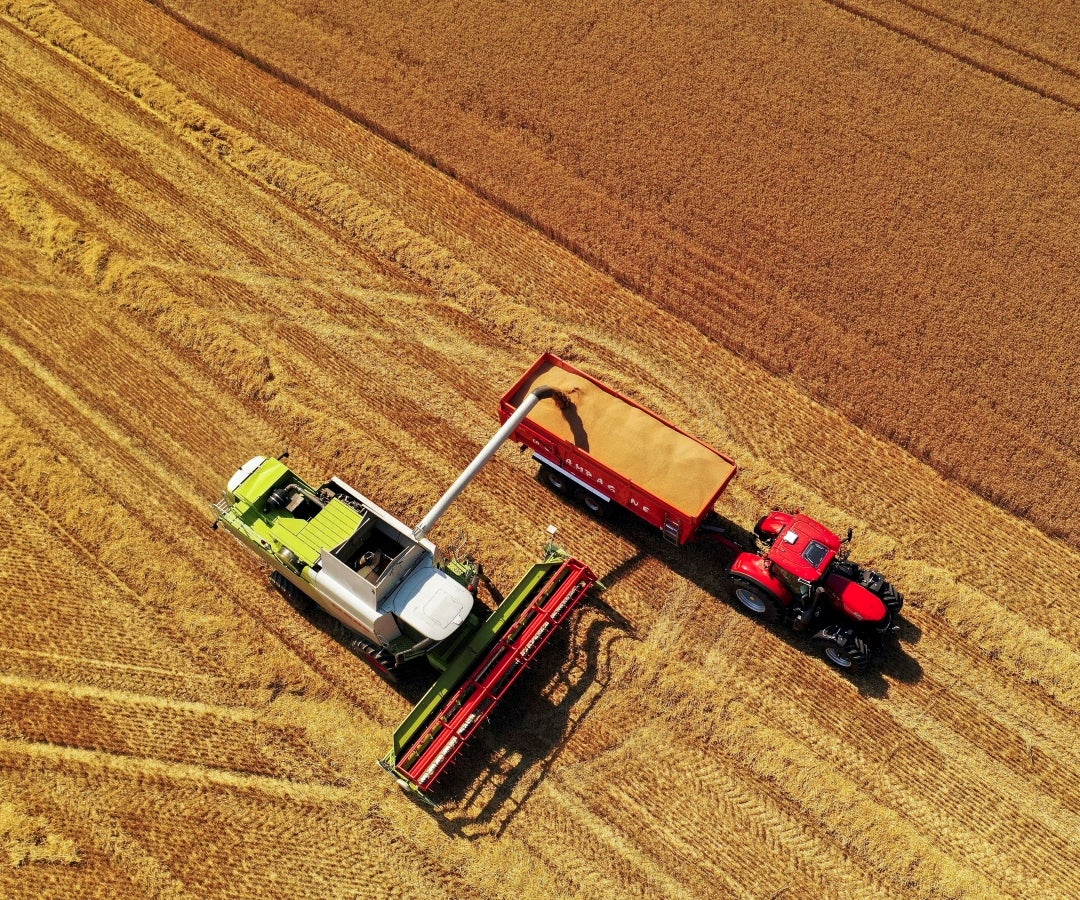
<point>528,733</point>
<point>704,563</point>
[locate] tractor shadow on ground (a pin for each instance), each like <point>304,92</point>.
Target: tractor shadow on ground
<point>528,732</point>
<point>704,563</point>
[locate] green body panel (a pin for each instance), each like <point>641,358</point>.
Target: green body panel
<point>329,528</point>
<point>270,531</point>
<point>260,482</point>
<point>294,542</point>
<point>463,656</point>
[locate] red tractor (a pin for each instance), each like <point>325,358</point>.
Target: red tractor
<point>803,578</point>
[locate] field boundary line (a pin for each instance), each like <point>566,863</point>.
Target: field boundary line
<point>932,13</point>
<point>564,241</point>
<point>969,59</point>
<point>302,183</point>
<point>15,754</point>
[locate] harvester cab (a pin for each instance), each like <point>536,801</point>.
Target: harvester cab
<point>401,599</point>
<point>359,563</point>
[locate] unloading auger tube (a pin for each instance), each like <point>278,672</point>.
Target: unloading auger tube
<point>534,397</point>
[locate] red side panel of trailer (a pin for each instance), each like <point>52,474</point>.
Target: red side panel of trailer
<point>620,450</point>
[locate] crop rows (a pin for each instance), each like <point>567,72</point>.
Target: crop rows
<point>306,284</point>
<point>879,183</point>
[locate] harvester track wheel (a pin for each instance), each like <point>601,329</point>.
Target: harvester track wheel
<point>756,600</point>
<point>843,648</point>
<point>298,600</point>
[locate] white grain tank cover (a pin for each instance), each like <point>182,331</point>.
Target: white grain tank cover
<point>432,602</point>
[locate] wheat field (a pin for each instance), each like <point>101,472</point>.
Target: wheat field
<point>864,196</point>
<point>201,260</point>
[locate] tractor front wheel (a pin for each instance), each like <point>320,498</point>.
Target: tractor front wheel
<point>843,648</point>
<point>766,539</point>
<point>756,600</point>
<point>892,599</point>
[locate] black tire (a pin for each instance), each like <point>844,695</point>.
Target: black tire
<point>892,599</point>
<point>766,539</point>
<point>877,585</point>
<point>594,504</point>
<point>555,480</point>
<point>843,649</point>
<point>757,601</point>
<point>849,570</point>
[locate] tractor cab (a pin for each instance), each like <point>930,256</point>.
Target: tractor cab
<point>801,549</point>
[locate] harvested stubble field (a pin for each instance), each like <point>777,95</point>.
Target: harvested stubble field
<point>863,195</point>
<point>200,261</point>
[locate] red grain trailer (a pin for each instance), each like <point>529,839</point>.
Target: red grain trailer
<point>613,450</point>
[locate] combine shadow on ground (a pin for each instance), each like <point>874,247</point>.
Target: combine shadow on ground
<point>704,563</point>
<point>528,731</point>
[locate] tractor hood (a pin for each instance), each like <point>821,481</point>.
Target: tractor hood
<point>804,548</point>
<point>856,601</point>
<point>432,602</point>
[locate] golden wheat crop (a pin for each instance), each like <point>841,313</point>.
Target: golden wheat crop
<point>200,262</point>
<point>872,197</point>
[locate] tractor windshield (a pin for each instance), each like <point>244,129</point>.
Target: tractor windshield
<point>815,553</point>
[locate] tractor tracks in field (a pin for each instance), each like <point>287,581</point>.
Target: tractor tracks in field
<point>17,754</point>
<point>70,406</point>
<point>992,55</point>
<point>167,730</point>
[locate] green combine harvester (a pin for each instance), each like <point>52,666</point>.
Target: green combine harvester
<point>401,598</point>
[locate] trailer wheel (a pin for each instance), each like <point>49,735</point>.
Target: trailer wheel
<point>556,480</point>
<point>756,600</point>
<point>843,648</point>
<point>594,504</point>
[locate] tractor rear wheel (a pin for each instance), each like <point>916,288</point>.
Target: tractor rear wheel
<point>756,600</point>
<point>843,648</point>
